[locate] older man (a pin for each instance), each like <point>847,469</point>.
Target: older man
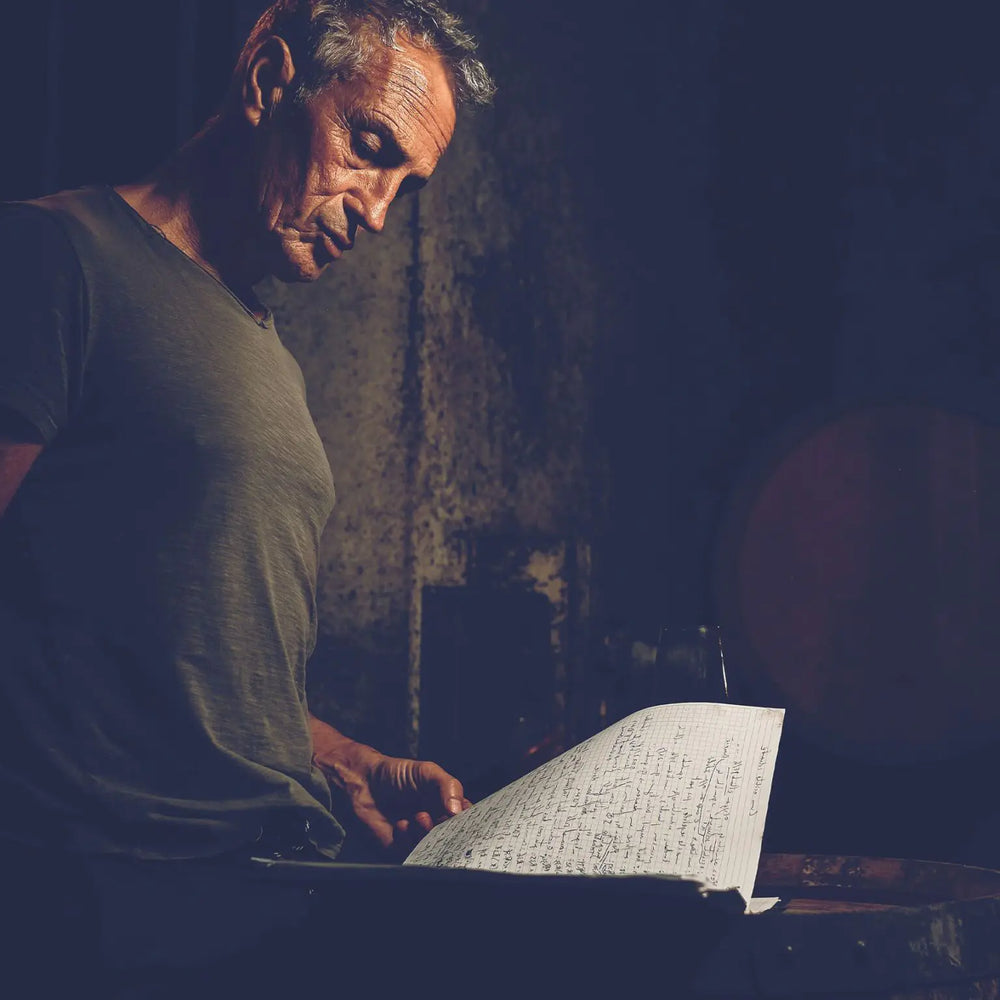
<point>162,486</point>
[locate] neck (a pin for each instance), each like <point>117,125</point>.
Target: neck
<point>202,200</point>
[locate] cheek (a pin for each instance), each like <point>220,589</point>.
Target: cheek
<point>300,190</point>
<point>327,170</point>
<point>285,175</point>
<point>326,179</point>
<point>279,191</point>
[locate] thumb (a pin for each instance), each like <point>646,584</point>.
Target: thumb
<point>451,791</point>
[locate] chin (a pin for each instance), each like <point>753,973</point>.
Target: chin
<point>296,261</point>
<point>298,270</point>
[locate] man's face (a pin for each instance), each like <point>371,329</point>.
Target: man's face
<point>336,163</point>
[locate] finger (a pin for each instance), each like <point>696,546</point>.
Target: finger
<point>423,820</point>
<point>376,824</point>
<point>466,804</point>
<point>406,832</point>
<point>449,787</point>
<point>405,838</point>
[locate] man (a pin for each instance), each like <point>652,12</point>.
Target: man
<point>163,489</point>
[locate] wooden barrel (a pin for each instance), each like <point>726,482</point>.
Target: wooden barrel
<point>863,927</point>
<point>858,580</point>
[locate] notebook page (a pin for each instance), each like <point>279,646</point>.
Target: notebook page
<point>675,789</point>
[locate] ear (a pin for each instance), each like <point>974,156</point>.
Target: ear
<point>269,73</point>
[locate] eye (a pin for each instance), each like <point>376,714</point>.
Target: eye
<point>367,144</point>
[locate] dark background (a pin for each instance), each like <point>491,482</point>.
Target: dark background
<point>788,208</point>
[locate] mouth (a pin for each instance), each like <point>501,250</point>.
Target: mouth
<point>330,248</point>
<point>336,246</point>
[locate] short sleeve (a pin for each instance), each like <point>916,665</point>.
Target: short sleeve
<point>42,319</point>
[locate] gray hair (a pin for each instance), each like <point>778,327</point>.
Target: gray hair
<point>333,39</point>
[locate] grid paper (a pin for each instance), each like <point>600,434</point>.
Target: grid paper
<point>675,789</point>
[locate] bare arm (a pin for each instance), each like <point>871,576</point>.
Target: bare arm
<point>16,458</point>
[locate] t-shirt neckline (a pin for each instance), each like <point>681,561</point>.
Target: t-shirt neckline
<point>265,323</point>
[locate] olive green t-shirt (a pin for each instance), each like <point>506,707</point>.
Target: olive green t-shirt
<point>158,564</point>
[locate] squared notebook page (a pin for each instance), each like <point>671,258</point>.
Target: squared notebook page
<point>675,789</point>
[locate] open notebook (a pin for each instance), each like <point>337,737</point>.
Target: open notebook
<point>678,790</point>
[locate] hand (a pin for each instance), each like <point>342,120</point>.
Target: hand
<point>396,800</point>
<point>406,798</point>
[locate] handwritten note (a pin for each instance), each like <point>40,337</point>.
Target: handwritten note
<point>676,790</point>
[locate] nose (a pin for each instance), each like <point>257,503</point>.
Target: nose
<point>371,203</point>
<point>370,210</point>
<point>374,215</point>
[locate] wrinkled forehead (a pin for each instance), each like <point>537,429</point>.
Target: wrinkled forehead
<point>409,85</point>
